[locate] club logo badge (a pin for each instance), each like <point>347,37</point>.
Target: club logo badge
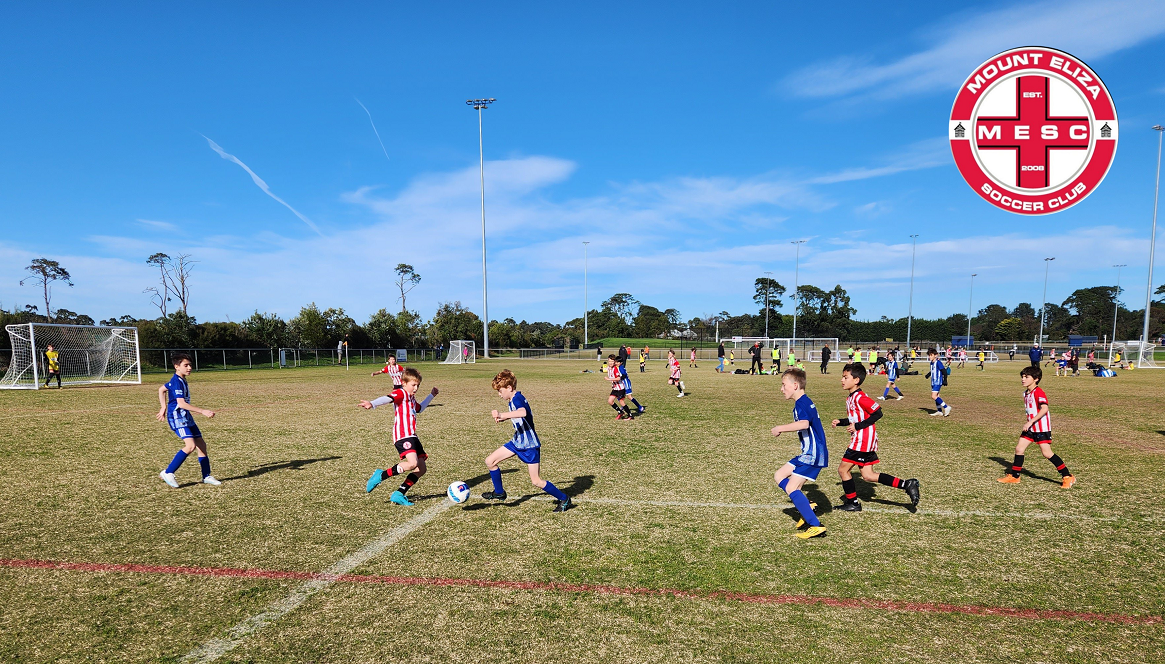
<point>1033,130</point>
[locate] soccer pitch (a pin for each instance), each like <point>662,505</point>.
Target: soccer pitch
<point>680,548</point>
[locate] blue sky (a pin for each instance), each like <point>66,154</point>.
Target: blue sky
<point>688,143</point>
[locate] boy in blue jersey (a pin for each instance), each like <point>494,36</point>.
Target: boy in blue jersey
<point>627,388</point>
<point>938,377</point>
<point>176,410</point>
<point>524,445</point>
<point>891,377</point>
<point>814,455</point>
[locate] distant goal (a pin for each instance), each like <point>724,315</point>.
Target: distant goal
<point>461,352</point>
<point>85,354</point>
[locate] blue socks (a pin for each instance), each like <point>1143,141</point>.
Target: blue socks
<point>886,393</point>
<point>204,463</point>
<point>177,462</point>
<point>938,401</point>
<point>898,390</point>
<point>783,483</point>
<point>554,491</point>
<point>803,506</point>
<point>496,476</point>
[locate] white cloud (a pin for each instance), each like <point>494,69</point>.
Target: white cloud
<point>1086,29</point>
<point>160,225</point>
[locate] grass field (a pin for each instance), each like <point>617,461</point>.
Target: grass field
<point>680,549</point>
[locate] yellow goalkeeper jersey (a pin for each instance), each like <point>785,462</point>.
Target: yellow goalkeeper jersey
<point>54,363</point>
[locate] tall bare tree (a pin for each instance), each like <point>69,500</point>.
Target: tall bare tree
<point>178,273</point>
<point>44,273</point>
<point>407,279</point>
<point>160,295</point>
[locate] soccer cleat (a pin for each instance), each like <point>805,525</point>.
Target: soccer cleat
<point>815,531</point>
<point>680,395</point>
<point>378,476</point>
<point>881,398</point>
<point>1008,479</point>
<point>937,413</point>
<point>1068,481</point>
<point>619,416</point>
<point>900,397</point>
<point>168,478</point>
<point>209,479</point>
<point>850,506</point>
<point>947,411</point>
<point>801,521</point>
<point>563,505</point>
<point>400,499</point>
<point>494,495</point>
<point>642,409</point>
<point>911,488</point>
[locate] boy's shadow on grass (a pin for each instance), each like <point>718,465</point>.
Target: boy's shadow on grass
<point>815,495</point>
<point>867,491</point>
<point>294,464</point>
<point>580,485</point>
<point>1007,467</point>
<point>928,411</point>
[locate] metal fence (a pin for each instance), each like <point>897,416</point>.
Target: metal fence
<point>158,360</point>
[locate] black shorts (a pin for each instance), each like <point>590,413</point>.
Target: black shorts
<point>1037,436</point>
<point>619,394</point>
<point>860,458</point>
<point>411,444</point>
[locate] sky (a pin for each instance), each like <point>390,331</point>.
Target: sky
<point>298,152</point>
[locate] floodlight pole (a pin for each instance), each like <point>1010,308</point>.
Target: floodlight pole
<point>586,333</point>
<point>910,305</point>
<point>1152,246</point>
<point>480,105</point>
<point>796,286</point>
<point>1044,304</point>
<point>1115,309</point>
<point>767,282</point>
<point>970,299</point>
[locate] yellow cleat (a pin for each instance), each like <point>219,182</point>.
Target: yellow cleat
<point>1068,481</point>
<point>812,532</point>
<point>801,522</point>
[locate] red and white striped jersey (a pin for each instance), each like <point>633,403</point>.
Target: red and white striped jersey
<point>615,376</point>
<point>674,365</point>
<point>1031,403</point>
<point>405,408</point>
<point>860,406</point>
<point>393,371</point>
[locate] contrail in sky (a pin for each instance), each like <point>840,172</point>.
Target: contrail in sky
<point>260,183</point>
<point>373,127</point>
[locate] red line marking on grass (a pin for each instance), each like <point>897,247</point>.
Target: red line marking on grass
<point>800,600</point>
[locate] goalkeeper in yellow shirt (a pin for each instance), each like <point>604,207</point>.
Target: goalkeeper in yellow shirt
<point>53,366</point>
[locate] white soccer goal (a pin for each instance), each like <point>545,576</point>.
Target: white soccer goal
<point>461,352</point>
<point>85,354</point>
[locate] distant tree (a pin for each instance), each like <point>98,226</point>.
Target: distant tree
<point>650,322</point>
<point>1024,311</point>
<point>382,329</point>
<point>622,305</point>
<point>178,272</point>
<point>268,330</point>
<point>453,321</point>
<point>675,322</point>
<point>123,321</point>
<point>71,318</point>
<point>824,313</point>
<point>406,280</point>
<point>160,294</point>
<point>176,330</point>
<point>1091,309</point>
<point>44,273</point>
<point>770,290</point>
<point>1009,329</point>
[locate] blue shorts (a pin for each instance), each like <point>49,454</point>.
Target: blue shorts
<point>936,388</point>
<point>188,431</point>
<point>533,455</point>
<point>804,470</point>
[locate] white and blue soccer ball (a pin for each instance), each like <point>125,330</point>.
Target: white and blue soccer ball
<point>458,492</point>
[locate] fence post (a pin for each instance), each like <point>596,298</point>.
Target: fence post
<point>224,359</point>
<point>196,360</point>
<point>249,359</point>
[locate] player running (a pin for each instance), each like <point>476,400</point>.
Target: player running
<point>674,367</point>
<point>393,370</point>
<point>1037,429</point>
<point>938,378</point>
<point>891,377</point>
<point>404,435</point>
<point>814,454</point>
<point>618,397</point>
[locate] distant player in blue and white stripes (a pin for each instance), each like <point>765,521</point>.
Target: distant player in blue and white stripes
<point>814,453</point>
<point>938,378</point>
<point>891,377</point>
<point>525,443</point>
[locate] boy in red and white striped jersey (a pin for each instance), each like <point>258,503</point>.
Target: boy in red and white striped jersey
<point>404,435</point>
<point>1037,429</point>
<point>863,412</point>
<point>393,370</point>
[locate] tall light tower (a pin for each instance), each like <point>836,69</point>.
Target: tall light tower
<point>1044,304</point>
<point>586,330</point>
<point>910,306</point>
<point>1152,246</point>
<point>480,105</point>
<point>796,285</point>
<point>1116,305</point>
<point>970,299</point>
<point>767,283</point>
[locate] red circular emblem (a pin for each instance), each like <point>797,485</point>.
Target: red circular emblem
<point>1033,130</point>
<point>407,445</point>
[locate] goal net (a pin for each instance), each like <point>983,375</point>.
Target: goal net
<point>461,352</point>
<point>81,354</point>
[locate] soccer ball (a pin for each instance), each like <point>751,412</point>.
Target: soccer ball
<point>458,492</point>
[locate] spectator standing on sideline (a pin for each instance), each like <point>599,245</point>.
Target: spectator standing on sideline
<point>720,356</point>
<point>1035,354</point>
<point>825,353</point>
<point>757,365</point>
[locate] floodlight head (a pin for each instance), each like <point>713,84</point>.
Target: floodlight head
<point>1158,127</point>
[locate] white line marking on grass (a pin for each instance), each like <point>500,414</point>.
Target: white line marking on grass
<point>954,514</point>
<point>215,648</point>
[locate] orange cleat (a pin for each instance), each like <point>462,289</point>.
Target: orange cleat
<point>1068,481</point>
<point>1009,479</point>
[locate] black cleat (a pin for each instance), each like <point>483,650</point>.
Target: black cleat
<point>911,489</point>
<point>494,495</point>
<point>563,505</point>
<point>850,506</point>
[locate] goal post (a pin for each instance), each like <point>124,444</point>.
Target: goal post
<point>85,354</point>
<point>461,352</point>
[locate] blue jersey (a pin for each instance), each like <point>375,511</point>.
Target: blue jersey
<point>524,436</point>
<point>937,371</point>
<point>177,389</point>
<point>813,450</point>
<point>626,379</point>
<point>892,370</point>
